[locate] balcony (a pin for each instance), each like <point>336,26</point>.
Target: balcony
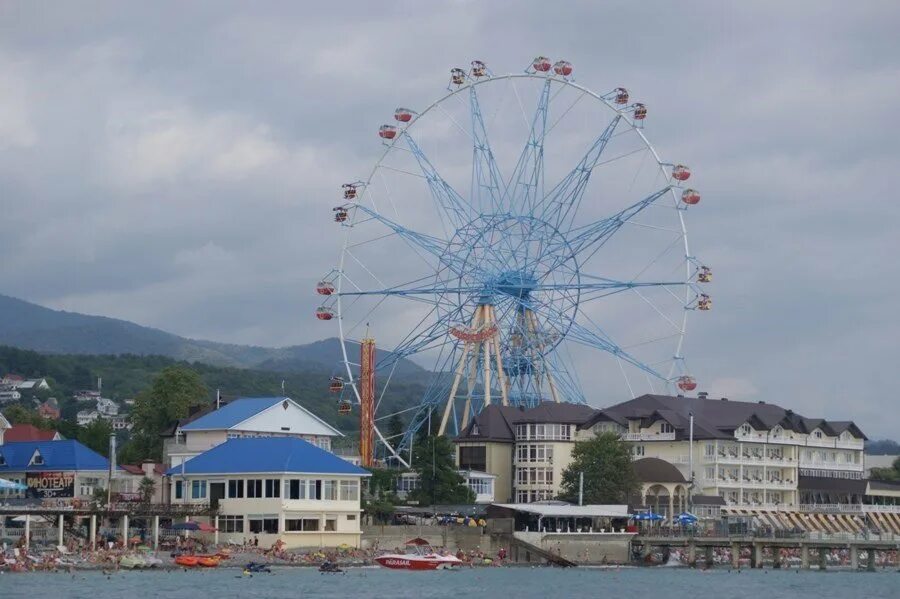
<point>821,465</point>
<point>648,436</point>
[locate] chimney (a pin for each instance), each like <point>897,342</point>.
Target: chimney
<point>147,466</point>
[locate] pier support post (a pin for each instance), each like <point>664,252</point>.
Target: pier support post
<point>216,532</point>
<point>93,532</point>
<point>692,554</point>
<point>27,532</point>
<point>870,562</point>
<point>854,557</point>
<point>823,562</point>
<point>776,558</point>
<point>804,556</point>
<point>61,524</point>
<point>756,555</point>
<point>735,556</point>
<point>710,562</point>
<point>125,530</point>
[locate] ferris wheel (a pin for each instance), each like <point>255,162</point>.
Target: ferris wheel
<point>519,240</point>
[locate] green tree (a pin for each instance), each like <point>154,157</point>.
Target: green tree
<point>96,436</point>
<point>395,429</point>
<point>440,483</point>
<point>174,391</point>
<point>890,474</point>
<point>609,476</point>
<point>146,489</point>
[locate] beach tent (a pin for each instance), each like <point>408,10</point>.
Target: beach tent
<point>9,485</point>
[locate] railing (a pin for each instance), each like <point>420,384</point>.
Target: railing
<point>753,461</point>
<point>819,464</point>
<point>648,436</point>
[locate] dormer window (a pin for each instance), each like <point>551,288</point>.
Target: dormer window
<point>665,427</point>
<point>37,459</point>
<point>745,430</point>
<point>475,430</point>
<point>817,434</point>
<point>776,432</point>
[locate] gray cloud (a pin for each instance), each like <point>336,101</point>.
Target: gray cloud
<point>175,164</point>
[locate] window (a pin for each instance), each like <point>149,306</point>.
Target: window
<point>198,489</point>
<point>665,427</point>
<point>301,524</point>
<point>638,450</point>
<point>273,487</point>
<point>481,486</point>
<point>710,450</point>
<point>37,459</point>
<point>179,489</point>
<point>745,430</point>
<point>86,486</point>
<point>710,472</point>
<point>236,489</point>
<point>817,434</point>
<point>349,490</point>
<point>266,524</point>
<point>351,517</point>
<point>254,488</point>
<point>330,524</point>
<point>231,523</point>
<point>297,489</point>
<point>329,490</point>
<point>473,458</point>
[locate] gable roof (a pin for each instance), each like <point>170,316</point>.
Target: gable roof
<point>4,423</point>
<point>28,432</point>
<point>493,423</point>
<point>58,455</point>
<point>267,455</point>
<point>240,410</point>
<point>715,418</point>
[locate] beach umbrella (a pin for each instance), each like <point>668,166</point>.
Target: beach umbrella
<point>686,518</point>
<point>186,526</point>
<point>648,517</point>
<point>9,485</point>
<point>204,527</point>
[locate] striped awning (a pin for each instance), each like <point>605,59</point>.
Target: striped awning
<point>817,522</point>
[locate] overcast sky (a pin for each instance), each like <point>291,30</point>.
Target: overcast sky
<point>174,164</point>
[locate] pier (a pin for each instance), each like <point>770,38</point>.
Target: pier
<point>821,546</point>
<point>71,520</point>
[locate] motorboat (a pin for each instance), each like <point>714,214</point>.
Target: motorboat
<point>207,561</point>
<point>132,562</point>
<point>419,555</point>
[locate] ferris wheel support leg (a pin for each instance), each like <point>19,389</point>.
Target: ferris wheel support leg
<point>460,368</point>
<point>504,384</point>
<point>486,363</point>
<point>532,320</point>
<point>457,378</point>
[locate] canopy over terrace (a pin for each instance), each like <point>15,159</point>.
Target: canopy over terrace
<point>563,517</point>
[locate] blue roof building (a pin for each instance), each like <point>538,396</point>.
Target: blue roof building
<point>279,489</point>
<point>246,417</point>
<point>266,455</point>
<point>63,469</point>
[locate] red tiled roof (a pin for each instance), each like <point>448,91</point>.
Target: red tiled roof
<point>158,469</point>
<point>27,432</point>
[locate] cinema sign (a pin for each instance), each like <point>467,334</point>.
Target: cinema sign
<point>46,485</point>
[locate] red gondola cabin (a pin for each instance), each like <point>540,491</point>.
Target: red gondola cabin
<point>621,95</point>
<point>336,384</point>
<point>344,408</point>
<point>563,67</point>
<point>541,64</point>
<point>387,132</point>
<point>340,215</point>
<point>681,172</point>
<point>479,69</point>
<point>323,313</point>
<point>690,197</point>
<point>349,191</point>
<point>704,275</point>
<point>687,383</point>
<point>704,303</point>
<point>404,115</point>
<point>457,76</point>
<point>640,112</point>
<point>325,288</point>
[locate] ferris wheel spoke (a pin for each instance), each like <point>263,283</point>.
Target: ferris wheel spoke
<point>451,204</point>
<point>599,339</point>
<point>529,172</point>
<point>564,199</point>
<point>486,175</point>
<point>593,236</point>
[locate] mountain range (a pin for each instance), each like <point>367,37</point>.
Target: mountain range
<point>30,326</point>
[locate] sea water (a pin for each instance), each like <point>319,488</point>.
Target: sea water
<point>518,582</point>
